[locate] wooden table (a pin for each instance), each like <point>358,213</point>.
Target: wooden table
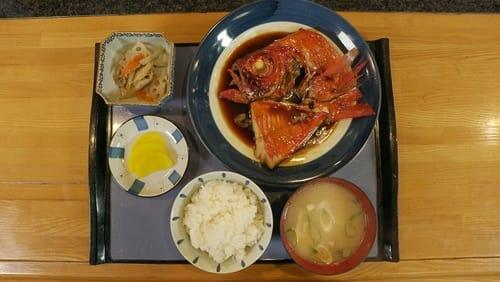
<point>446,86</point>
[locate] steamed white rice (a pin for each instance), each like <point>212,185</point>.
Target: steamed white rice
<point>223,218</point>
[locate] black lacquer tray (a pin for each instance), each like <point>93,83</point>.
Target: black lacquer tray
<point>126,228</point>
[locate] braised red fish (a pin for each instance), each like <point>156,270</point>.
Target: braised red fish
<point>303,63</point>
<point>294,86</point>
<point>345,106</point>
<point>281,129</point>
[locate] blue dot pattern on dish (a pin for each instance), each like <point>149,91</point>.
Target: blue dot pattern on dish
<point>182,196</point>
<point>175,218</point>
<point>136,187</point>
<point>223,175</point>
<point>174,177</point>
<point>218,268</point>
<point>195,260</point>
<point>116,152</point>
<point>200,180</point>
<point>177,136</point>
<point>243,264</point>
<point>261,248</point>
<point>180,241</point>
<point>140,123</point>
<point>269,224</point>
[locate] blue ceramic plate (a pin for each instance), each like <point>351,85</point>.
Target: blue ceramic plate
<point>235,28</point>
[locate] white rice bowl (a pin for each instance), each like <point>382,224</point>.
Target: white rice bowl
<point>223,218</point>
<point>221,222</point>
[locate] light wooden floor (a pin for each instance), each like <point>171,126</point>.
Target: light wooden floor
<point>446,89</point>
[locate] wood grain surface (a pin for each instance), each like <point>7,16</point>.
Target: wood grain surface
<point>446,89</point>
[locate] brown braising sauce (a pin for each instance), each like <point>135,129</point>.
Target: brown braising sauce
<point>230,109</point>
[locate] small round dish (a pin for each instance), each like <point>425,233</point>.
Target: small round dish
<point>158,182</point>
<point>368,236</point>
<point>201,259</point>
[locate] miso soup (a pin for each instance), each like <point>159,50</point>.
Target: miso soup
<point>325,223</point>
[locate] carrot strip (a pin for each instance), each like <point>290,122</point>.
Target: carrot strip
<point>144,96</point>
<point>132,65</point>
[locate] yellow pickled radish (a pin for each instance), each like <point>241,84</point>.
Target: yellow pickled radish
<point>151,163</point>
<point>152,136</point>
<point>149,154</point>
<point>142,149</point>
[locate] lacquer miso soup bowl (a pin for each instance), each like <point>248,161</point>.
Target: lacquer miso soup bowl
<point>328,226</point>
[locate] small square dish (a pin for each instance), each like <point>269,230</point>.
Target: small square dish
<point>135,68</point>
